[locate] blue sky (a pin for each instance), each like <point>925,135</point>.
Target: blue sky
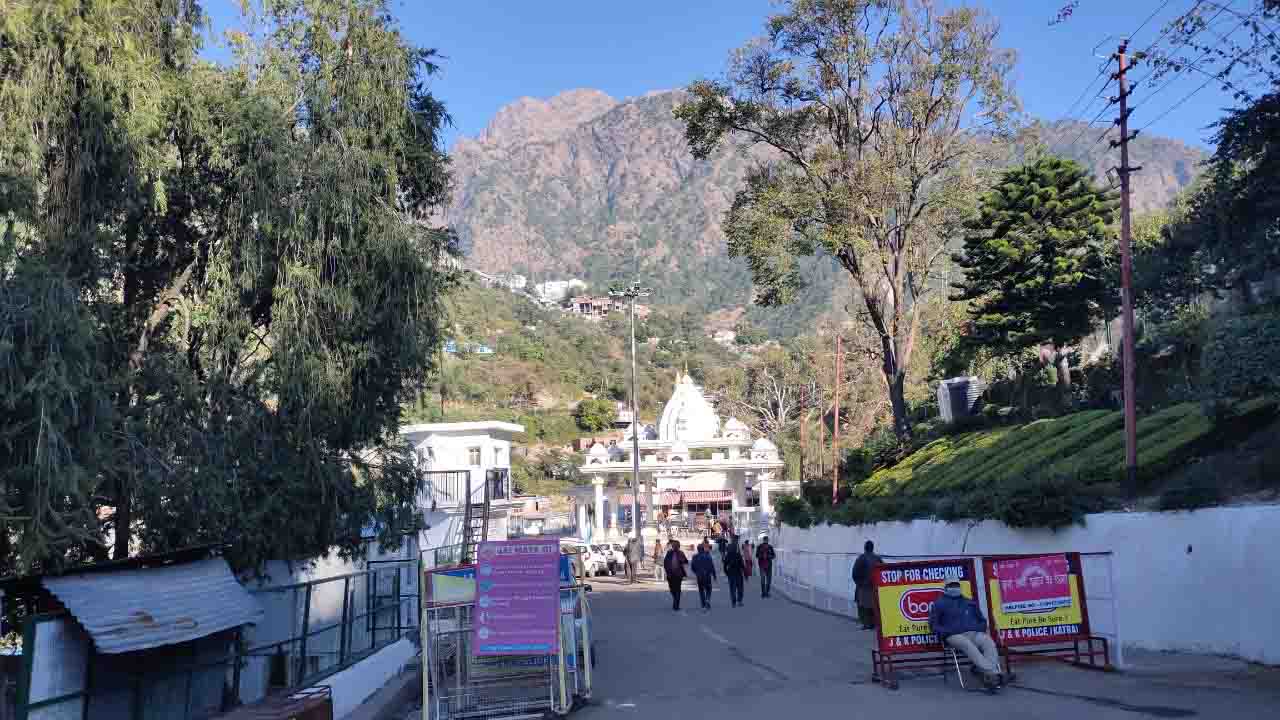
<point>500,50</point>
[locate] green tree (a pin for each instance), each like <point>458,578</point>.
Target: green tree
<point>747,334</point>
<point>876,115</point>
<point>595,414</point>
<point>249,264</point>
<point>1034,265</point>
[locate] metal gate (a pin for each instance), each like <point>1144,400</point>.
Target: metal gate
<point>459,685</point>
<point>55,669</point>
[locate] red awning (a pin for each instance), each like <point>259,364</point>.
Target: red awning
<point>708,496</point>
<point>669,498</point>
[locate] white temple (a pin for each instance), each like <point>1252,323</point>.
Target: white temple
<point>690,464</point>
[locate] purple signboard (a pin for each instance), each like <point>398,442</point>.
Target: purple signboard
<point>517,598</point>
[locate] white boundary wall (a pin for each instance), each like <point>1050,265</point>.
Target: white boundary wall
<point>355,684</point>
<point>1206,581</point>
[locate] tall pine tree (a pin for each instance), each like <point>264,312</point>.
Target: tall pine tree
<point>1034,262</point>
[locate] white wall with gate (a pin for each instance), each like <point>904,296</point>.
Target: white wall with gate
<point>1204,581</point>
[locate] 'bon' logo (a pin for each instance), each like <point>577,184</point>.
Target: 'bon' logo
<point>915,604</point>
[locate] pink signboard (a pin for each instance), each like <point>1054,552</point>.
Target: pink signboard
<point>517,598</point>
<point>1031,584</point>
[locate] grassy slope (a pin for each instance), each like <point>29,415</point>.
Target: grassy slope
<point>1087,445</point>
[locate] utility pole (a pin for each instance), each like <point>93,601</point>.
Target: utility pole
<point>835,427</point>
<point>1126,273</point>
<point>631,293</point>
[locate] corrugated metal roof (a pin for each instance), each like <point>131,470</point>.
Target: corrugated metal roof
<point>145,608</point>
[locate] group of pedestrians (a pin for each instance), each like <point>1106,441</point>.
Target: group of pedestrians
<point>738,560</point>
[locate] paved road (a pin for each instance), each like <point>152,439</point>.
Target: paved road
<point>777,660</point>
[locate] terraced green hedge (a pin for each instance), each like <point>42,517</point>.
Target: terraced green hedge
<point>1080,450</point>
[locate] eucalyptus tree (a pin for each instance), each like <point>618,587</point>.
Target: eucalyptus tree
<point>254,277</point>
<point>875,118</point>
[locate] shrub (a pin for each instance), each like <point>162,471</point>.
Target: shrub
<point>1239,358</point>
<point>1051,501</point>
<point>1200,489</point>
<point>794,511</point>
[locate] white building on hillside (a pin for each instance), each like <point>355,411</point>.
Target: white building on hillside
<point>455,456</point>
<point>690,464</point>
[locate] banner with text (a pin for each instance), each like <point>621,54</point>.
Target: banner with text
<point>1036,599</point>
<point>905,593</point>
<point>518,604</point>
<point>452,585</point>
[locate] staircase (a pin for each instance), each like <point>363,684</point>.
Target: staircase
<point>475,522</point>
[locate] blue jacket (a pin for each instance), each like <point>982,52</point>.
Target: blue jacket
<point>950,616</point>
<point>703,566</point>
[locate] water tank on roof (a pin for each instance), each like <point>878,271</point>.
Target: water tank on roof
<point>959,397</point>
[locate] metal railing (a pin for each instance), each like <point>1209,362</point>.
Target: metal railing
<point>316,628</point>
<point>446,488</point>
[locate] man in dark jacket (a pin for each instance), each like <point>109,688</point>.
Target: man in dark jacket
<point>734,568</point>
<point>764,561</point>
<point>864,593</point>
<point>705,568</point>
<point>674,565</point>
<point>959,623</point>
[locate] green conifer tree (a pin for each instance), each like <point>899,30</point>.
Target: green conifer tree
<point>1034,262</point>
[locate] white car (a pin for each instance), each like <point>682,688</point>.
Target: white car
<point>591,564</point>
<point>604,557</point>
<point>619,556</point>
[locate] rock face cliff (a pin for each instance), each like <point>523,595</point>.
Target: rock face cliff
<point>585,185</point>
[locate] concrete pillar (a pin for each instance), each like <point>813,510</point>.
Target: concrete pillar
<point>582,519</point>
<point>763,482</point>
<point>598,482</point>
<point>738,482</point>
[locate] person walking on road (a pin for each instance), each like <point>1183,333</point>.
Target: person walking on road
<point>748,560</point>
<point>734,567</point>
<point>705,569</point>
<point>674,566</point>
<point>764,561</point>
<point>635,555</point>
<point>657,560</point>
<point>960,624</point>
<point>864,593</point>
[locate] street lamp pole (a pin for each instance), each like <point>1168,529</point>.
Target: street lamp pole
<point>631,293</point>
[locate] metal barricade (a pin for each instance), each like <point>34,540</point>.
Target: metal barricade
<point>459,685</point>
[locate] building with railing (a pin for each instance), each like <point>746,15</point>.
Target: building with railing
<point>455,457</point>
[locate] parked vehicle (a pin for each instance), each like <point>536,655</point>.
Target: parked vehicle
<point>604,557</point>
<point>589,560</point>
<point>619,556</point>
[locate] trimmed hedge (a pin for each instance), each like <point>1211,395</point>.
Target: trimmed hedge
<point>1047,473</point>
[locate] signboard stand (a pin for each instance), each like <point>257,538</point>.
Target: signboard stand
<point>1038,610</point>
<point>904,594</point>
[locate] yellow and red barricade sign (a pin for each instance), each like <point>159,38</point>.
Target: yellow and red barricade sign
<point>905,592</point>
<point>1036,599</point>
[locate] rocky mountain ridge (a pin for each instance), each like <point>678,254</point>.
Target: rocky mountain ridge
<point>584,185</point>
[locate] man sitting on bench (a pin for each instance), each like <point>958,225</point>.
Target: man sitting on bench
<point>959,623</point>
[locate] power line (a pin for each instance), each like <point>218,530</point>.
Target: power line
<point>1194,66</point>
<point>1184,41</point>
<point>1163,5</point>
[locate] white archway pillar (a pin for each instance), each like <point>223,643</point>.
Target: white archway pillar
<point>598,482</point>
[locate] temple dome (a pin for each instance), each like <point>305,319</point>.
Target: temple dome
<point>597,454</point>
<point>764,443</point>
<point>735,429</point>
<point>688,415</point>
